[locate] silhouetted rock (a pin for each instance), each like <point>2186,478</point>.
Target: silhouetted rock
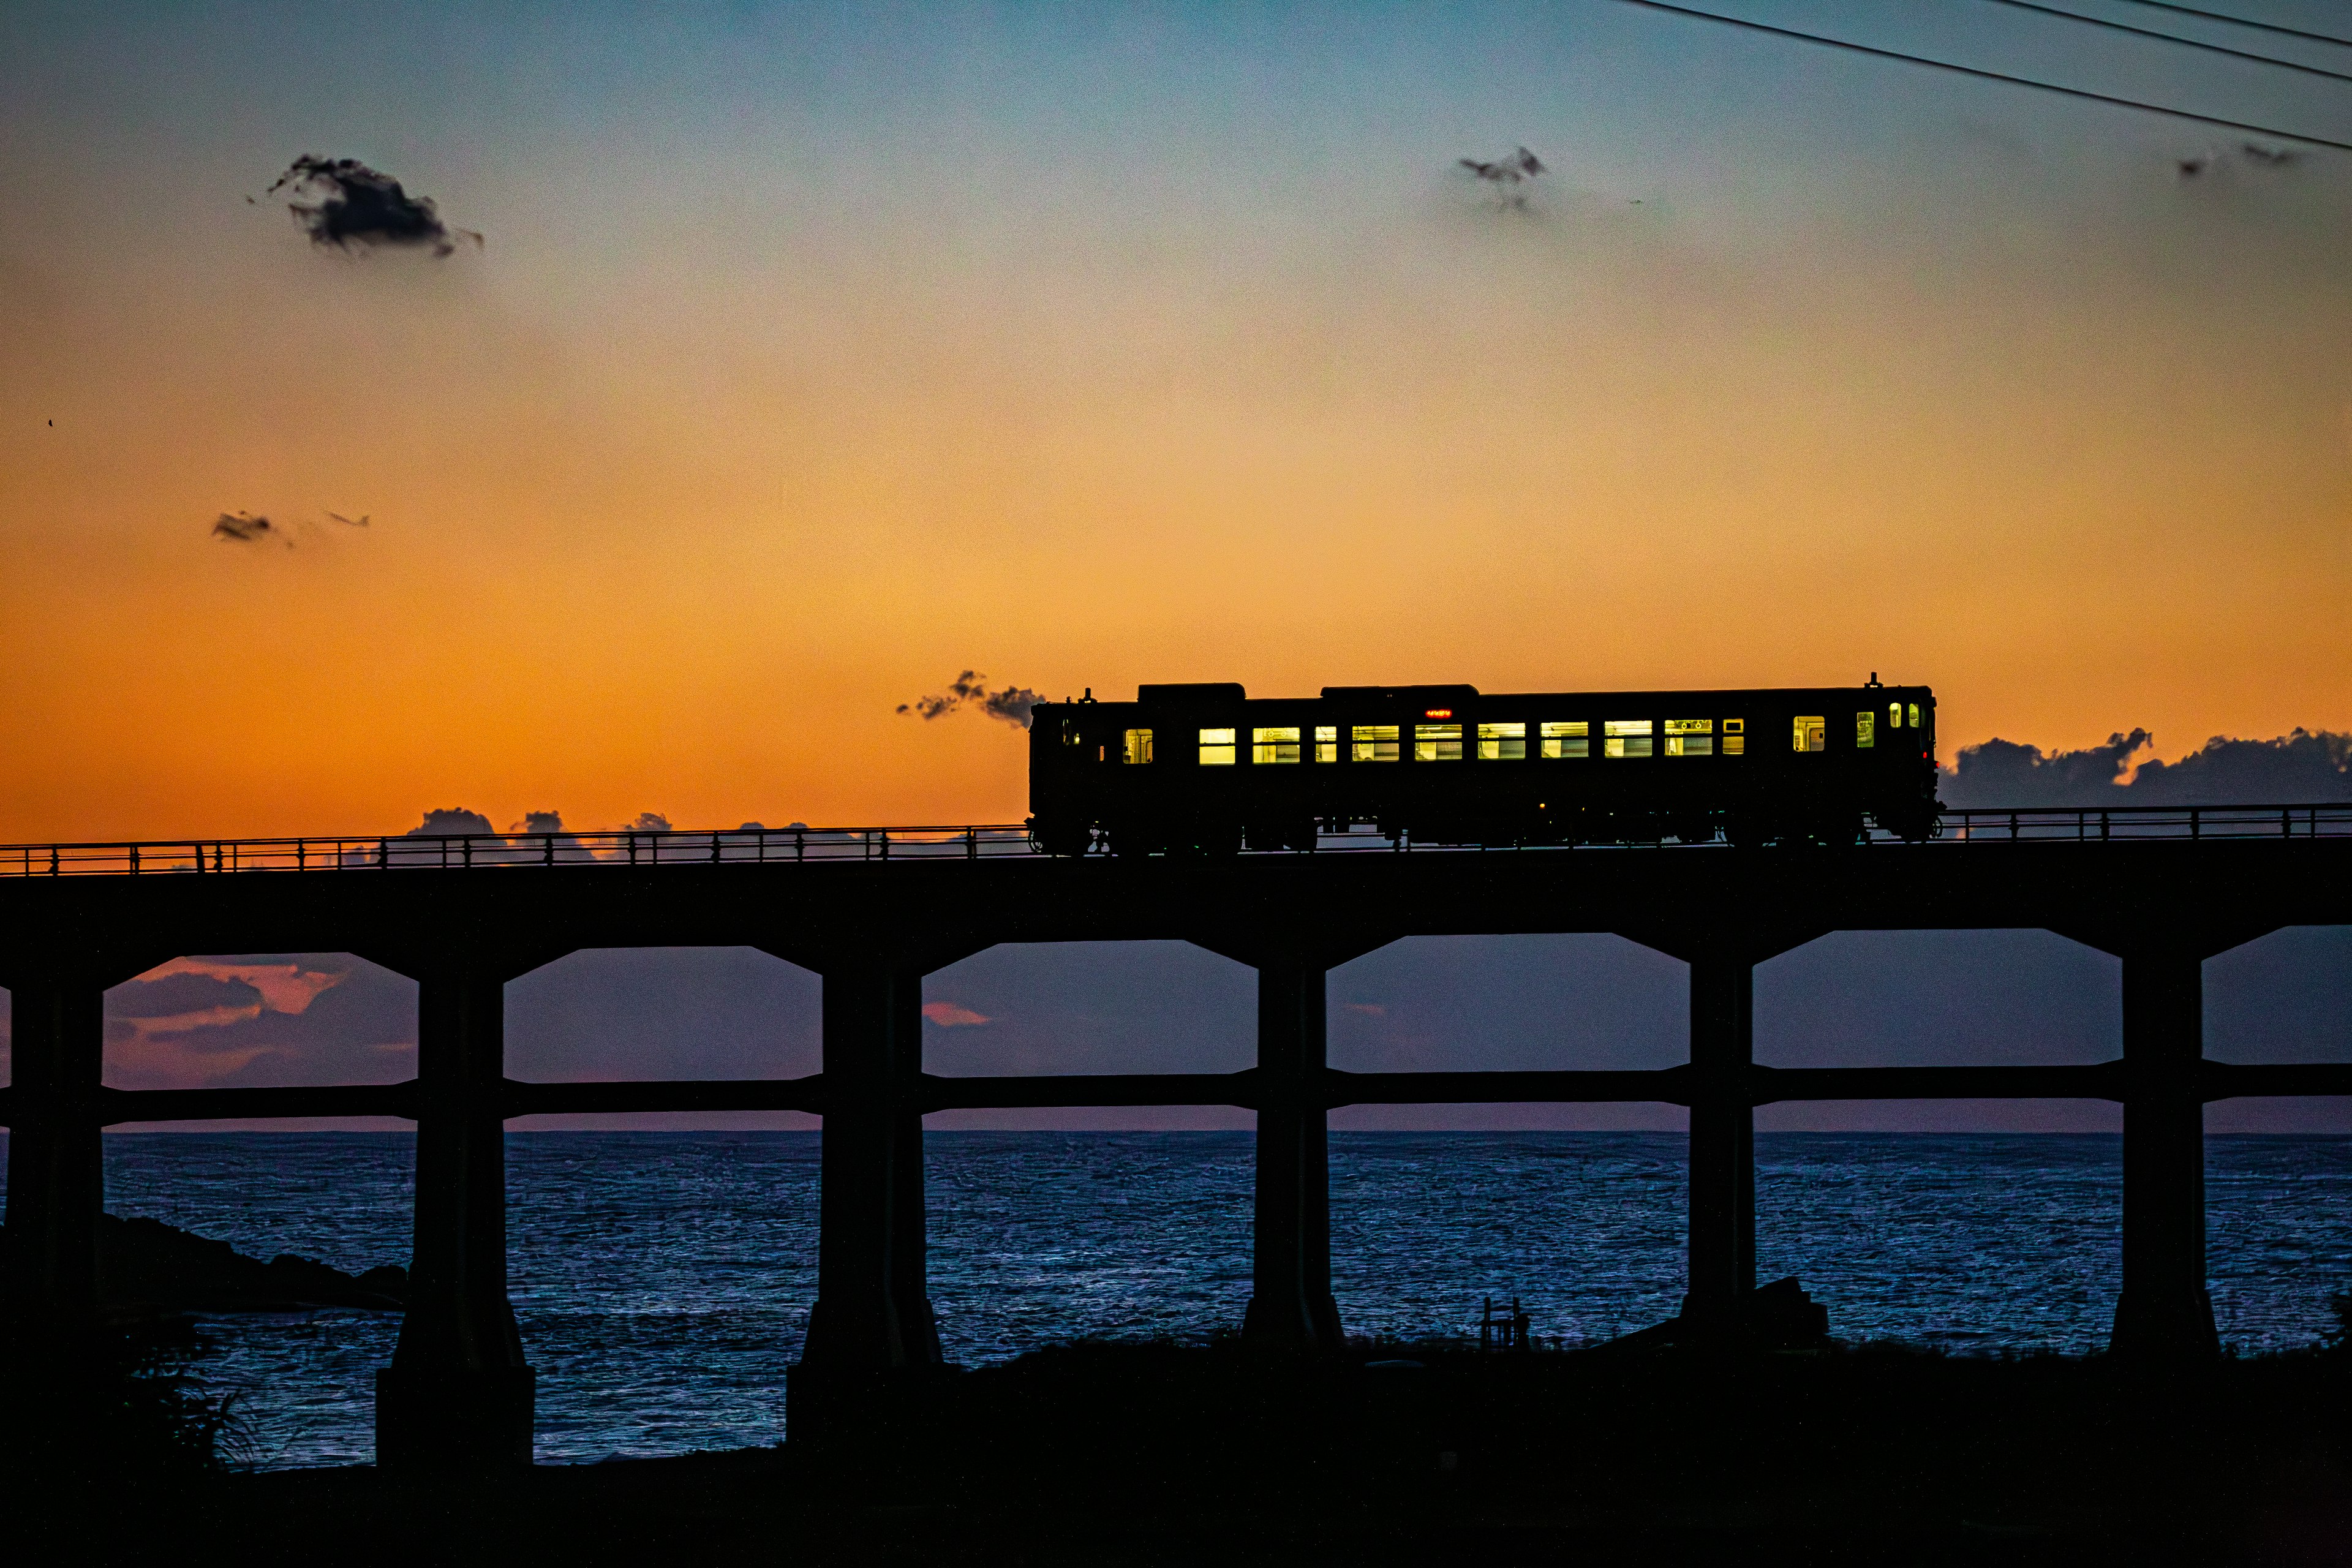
<point>1781,1316</point>
<point>146,1267</point>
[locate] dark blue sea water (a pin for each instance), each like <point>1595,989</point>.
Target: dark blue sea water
<point>663,1280</point>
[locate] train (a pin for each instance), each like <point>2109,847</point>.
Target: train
<point>1203,768</point>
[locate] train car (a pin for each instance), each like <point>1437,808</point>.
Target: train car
<point>1205,768</point>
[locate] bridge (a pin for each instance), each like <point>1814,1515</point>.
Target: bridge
<point>872,910</point>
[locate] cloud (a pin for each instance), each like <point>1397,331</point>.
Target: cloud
<point>1506,175</point>
<point>2272,157</point>
<point>2300,767</point>
<point>166,996</point>
<point>538,821</point>
<point>359,209</point>
<point>1012,703</point>
<point>288,987</point>
<point>274,1017</point>
<point>648,822</point>
<point>244,527</point>
<point>448,820</point>
<point>948,1016</point>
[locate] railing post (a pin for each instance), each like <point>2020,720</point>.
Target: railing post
<point>57,1180</point>
<point>1290,1307</point>
<point>2165,1311</point>
<point>459,1393</point>
<point>873,1316</point>
<point>1722,1140</point>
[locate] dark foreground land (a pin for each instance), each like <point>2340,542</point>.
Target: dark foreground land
<point>1152,1454</point>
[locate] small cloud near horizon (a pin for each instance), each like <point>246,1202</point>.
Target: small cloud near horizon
<point>449,821</point>
<point>949,1016</point>
<point>2302,767</point>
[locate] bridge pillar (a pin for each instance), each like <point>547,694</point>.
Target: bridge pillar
<point>459,1393</point>
<point>873,1316</point>
<point>1722,1140</point>
<point>1290,1306</point>
<point>2164,1312</point>
<point>57,1181</point>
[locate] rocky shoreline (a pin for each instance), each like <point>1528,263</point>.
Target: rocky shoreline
<point>147,1268</point>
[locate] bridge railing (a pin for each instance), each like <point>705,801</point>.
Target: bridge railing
<point>768,845</point>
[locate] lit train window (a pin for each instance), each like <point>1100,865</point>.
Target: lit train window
<point>1502,743</point>
<point>1437,743</point>
<point>1138,748</point>
<point>1894,715</point>
<point>1377,743</point>
<point>1274,745</point>
<point>1216,748</point>
<point>1626,738</point>
<point>1812,733</point>
<point>1690,737</point>
<point>1566,738</point>
<point>1735,737</point>
<point>1865,728</point>
<point>1327,742</point>
<point>1914,715</point>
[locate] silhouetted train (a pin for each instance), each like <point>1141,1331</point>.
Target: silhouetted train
<point>1197,769</point>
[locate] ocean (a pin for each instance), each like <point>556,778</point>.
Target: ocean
<point>663,1280</point>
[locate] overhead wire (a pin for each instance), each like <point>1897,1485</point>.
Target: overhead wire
<point>2245,22</point>
<point>2113,99</point>
<point>2175,39</point>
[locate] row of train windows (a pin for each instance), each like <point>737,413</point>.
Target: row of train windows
<point>1453,743</point>
<point>1505,742</point>
<point>1813,734</point>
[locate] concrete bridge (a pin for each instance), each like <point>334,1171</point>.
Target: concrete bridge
<point>873,911</point>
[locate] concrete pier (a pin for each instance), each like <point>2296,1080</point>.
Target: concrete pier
<point>459,1393</point>
<point>873,1310</point>
<point>1290,1306</point>
<point>2164,1312</point>
<point>1722,1138</point>
<point>57,1179</point>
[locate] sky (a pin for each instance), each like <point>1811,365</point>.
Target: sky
<point>811,355</point>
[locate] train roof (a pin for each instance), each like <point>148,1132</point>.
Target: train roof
<point>1222,693</point>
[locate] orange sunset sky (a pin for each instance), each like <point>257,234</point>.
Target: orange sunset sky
<point>813,356</point>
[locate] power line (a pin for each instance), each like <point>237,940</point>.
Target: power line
<point>2246,22</point>
<point>2106,98</point>
<point>2175,39</point>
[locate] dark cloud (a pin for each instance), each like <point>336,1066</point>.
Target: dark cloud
<point>648,822</point>
<point>539,822</point>
<point>448,820</point>
<point>2290,768</point>
<point>357,208</point>
<point>1521,164</point>
<point>244,527</point>
<point>1506,175</point>
<point>189,1030</point>
<point>247,528</point>
<point>2274,157</point>
<point>969,689</point>
<point>176,996</point>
